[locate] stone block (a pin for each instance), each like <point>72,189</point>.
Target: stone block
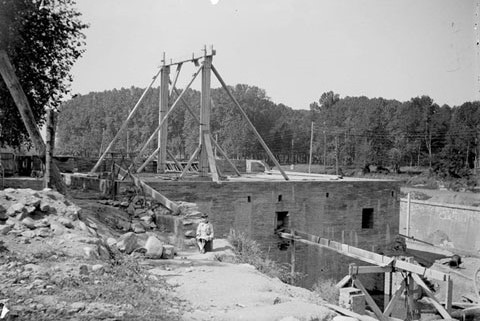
<point>29,222</point>
<point>137,227</point>
<point>352,299</point>
<point>168,252</point>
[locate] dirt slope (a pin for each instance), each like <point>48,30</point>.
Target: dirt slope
<point>225,291</point>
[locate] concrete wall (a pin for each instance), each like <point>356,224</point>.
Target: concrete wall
<point>442,224</point>
<point>22,182</point>
<point>327,209</point>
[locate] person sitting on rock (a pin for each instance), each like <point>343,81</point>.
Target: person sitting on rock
<point>205,235</point>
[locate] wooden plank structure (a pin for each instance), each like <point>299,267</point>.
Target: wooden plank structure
<point>150,191</point>
<point>204,152</point>
<point>411,272</point>
<point>7,72</point>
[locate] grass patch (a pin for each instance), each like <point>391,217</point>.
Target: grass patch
<point>124,290</point>
<point>327,290</point>
<point>248,251</point>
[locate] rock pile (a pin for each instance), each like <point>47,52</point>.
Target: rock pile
<point>29,215</point>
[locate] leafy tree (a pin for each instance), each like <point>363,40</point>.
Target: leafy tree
<point>43,40</point>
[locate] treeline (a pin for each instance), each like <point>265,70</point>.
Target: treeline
<point>350,131</point>
<point>87,123</point>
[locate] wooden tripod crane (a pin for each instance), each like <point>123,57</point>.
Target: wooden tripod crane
<point>204,151</point>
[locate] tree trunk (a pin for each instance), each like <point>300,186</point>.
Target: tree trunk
<point>8,73</point>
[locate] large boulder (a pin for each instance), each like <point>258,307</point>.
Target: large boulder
<point>16,208</point>
<point>154,248</point>
<point>128,242</point>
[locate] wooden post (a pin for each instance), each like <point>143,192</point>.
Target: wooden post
<point>311,148</point>
<point>413,312</point>
<point>8,73</point>
<point>163,133</point>
<point>448,294</point>
<point>260,139</point>
<point>388,289</point>
<point>292,257</point>
<point>205,107</point>
<point>50,145</point>
<point>407,232</point>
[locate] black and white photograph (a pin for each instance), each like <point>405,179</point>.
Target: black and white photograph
<point>239,160</point>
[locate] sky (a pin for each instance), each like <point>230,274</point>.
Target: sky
<point>294,49</point>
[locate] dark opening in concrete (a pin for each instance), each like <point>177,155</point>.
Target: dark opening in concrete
<point>281,221</point>
<point>367,218</point>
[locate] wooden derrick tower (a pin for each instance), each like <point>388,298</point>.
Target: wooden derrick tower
<point>204,152</point>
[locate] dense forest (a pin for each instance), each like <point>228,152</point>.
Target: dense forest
<point>353,131</point>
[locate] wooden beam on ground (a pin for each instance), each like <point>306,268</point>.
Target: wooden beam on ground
<point>260,139</point>
<point>125,123</point>
<point>21,101</point>
<point>152,136</point>
<point>349,313</point>
<point>151,191</point>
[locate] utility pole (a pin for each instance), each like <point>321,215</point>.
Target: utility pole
<point>336,155</point>
<point>311,147</point>
<point>324,149</point>
<point>291,153</point>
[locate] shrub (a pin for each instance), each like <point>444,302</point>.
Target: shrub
<point>327,290</point>
<point>249,251</point>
